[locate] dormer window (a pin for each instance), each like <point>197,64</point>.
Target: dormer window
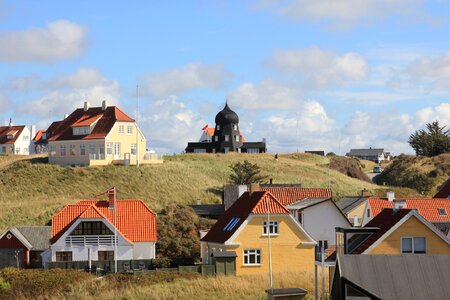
<point>84,130</point>
<point>442,211</point>
<point>218,127</point>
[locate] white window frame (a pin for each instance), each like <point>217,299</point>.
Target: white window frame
<point>249,253</point>
<point>413,251</point>
<point>72,151</point>
<point>133,149</point>
<point>61,150</point>
<point>272,226</point>
<point>109,149</point>
<point>226,138</point>
<point>236,138</point>
<point>130,130</point>
<point>82,149</point>
<point>121,129</point>
<point>218,127</point>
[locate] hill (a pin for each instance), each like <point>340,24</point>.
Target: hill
<point>425,174</point>
<point>31,190</point>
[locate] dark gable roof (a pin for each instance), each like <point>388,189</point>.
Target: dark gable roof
<point>365,152</point>
<point>62,130</point>
<point>444,191</point>
<point>384,221</point>
<point>346,204</point>
<point>4,130</point>
<point>37,236</point>
<point>400,276</point>
<point>256,202</point>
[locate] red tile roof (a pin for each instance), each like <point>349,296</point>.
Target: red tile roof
<point>135,221</point>
<point>37,138</point>
<point>289,195</point>
<point>7,130</point>
<point>426,207</point>
<point>62,130</point>
<point>444,191</point>
<point>385,220</point>
<point>259,202</point>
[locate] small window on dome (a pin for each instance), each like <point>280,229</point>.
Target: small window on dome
<point>234,127</point>
<point>218,127</point>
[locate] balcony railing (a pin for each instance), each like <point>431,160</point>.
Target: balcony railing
<point>90,240</point>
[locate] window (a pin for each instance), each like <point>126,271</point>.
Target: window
<point>81,130</point>
<point>234,127</point>
<point>72,149</point>
<point>105,255</point>
<point>368,212</point>
<point>237,138</point>
<point>17,150</point>
<point>91,151</point>
<point>3,149</point>
<point>252,150</point>
<point>109,149</point>
<point>101,151</point>
<point>413,245</point>
<point>52,150</point>
<point>26,137</point>
<point>218,127</point>
<point>231,224</point>
<point>63,255</point>
<point>133,149</point>
<point>63,150</point>
<point>121,129</point>
<point>216,138</point>
<point>82,149</point>
<point>252,257</point>
<point>270,227</point>
<point>130,129</point>
<point>226,138</point>
<point>442,212</point>
<point>92,228</point>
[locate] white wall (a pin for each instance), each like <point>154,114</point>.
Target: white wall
<point>144,250</point>
<point>23,142</point>
<point>320,221</point>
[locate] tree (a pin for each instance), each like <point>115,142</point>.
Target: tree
<point>245,173</point>
<point>431,142</point>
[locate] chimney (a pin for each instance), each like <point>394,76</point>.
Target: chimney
<point>365,193</point>
<point>111,197</point>
<point>86,105</point>
<point>355,221</point>
<point>390,196</point>
<point>398,204</point>
<point>104,105</point>
<point>10,122</point>
<point>198,202</point>
<point>253,187</point>
<point>270,181</point>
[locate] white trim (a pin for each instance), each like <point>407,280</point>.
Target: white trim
<point>141,133</point>
<point>18,236</point>
<point>238,231</point>
<point>256,255</point>
<point>412,244</point>
<point>403,220</point>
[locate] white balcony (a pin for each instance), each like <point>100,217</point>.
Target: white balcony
<point>90,240</point>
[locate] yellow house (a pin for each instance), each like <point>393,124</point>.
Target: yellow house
<point>245,231</point>
<point>393,231</point>
<point>92,136</point>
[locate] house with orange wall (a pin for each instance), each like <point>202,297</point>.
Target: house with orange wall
<point>245,231</point>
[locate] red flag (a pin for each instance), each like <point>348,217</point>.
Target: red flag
<point>205,127</point>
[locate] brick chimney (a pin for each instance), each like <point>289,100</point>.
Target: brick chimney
<point>254,187</point>
<point>365,193</point>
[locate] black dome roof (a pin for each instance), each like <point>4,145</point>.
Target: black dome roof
<point>227,116</point>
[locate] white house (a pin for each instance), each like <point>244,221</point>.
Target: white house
<point>319,217</point>
<point>85,231</point>
<point>15,139</point>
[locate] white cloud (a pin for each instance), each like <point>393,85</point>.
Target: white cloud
<point>267,94</point>
<point>169,125</point>
<point>344,13</point>
<point>59,40</point>
<point>70,91</point>
<point>184,79</point>
<point>320,68</point>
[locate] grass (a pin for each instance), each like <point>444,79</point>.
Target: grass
<point>193,287</point>
<point>31,191</point>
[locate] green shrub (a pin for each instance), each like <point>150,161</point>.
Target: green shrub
<point>4,285</point>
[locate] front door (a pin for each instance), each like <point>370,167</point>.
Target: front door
<point>116,150</point>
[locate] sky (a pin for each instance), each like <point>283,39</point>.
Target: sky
<point>305,75</point>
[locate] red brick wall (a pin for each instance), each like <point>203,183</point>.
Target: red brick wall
<point>14,243</point>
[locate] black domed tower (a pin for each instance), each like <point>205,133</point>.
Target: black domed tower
<point>227,137</point>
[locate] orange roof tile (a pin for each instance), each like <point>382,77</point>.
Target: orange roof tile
<point>87,120</point>
<point>135,221</point>
<point>289,195</point>
<point>427,207</point>
<point>258,202</point>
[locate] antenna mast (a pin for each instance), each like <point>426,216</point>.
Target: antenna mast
<point>137,131</point>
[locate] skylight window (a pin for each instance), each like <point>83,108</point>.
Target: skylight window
<point>231,224</point>
<point>442,212</point>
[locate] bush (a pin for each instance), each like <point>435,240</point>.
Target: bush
<point>33,283</point>
<point>4,285</point>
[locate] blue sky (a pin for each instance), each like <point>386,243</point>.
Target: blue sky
<point>306,75</point>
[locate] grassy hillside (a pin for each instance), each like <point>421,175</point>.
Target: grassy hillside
<point>31,191</point>
<point>425,174</point>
